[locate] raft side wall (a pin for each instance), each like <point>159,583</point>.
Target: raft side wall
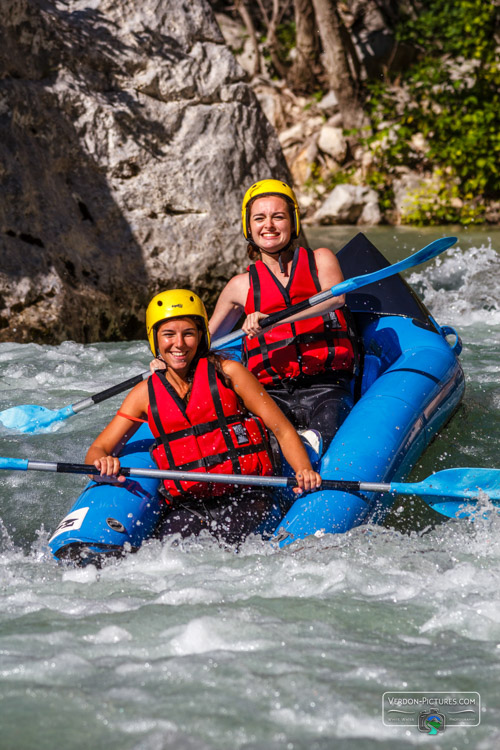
<point>385,433</point>
<point>412,382</point>
<point>114,515</point>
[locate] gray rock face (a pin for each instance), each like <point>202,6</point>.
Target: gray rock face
<point>349,204</point>
<point>127,141</point>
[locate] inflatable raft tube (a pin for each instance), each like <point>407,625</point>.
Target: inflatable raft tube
<point>112,519</point>
<point>411,382</point>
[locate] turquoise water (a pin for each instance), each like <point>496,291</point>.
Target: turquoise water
<point>193,647</point>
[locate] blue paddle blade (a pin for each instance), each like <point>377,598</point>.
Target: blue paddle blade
<point>449,492</point>
<point>14,464</point>
<point>422,256</point>
<point>428,252</point>
<point>30,418</point>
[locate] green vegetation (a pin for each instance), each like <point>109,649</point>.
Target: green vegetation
<point>328,180</point>
<point>283,44</point>
<point>434,112</point>
<point>443,117</point>
<point>378,181</point>
<point>285,34</point>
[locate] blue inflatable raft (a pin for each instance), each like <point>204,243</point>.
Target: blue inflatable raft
<point>410,384</point>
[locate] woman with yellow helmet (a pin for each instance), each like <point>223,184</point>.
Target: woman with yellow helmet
<point>307,362</point>
<point>207,414</point>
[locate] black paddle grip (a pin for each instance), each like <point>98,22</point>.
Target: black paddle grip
<point>115,389</point>
<point>338,484</point>
<point>331,484</point>
<point>282,314</point>
<point>76,468</point>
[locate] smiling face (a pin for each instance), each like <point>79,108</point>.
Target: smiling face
<point>270,223</point>
<point>178,341</point>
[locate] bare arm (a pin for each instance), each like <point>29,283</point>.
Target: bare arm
<point>329,274</point>
<point>230,305</point>
<point>259,402</point>
<point>117,432</point>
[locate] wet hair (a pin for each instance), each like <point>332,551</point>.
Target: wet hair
<point>252,252</point>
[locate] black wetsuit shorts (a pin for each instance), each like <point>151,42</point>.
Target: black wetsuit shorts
<point>319,402</point>
<point>230,519</point>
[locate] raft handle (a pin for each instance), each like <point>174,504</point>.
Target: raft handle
<point>457,345</point>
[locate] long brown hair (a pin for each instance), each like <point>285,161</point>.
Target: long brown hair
<point>252,252</point>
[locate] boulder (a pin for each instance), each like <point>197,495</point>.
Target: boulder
<point>292,136</point>
<point>331,141</point>
<point>128,137</point>
<point>349,204</point>
<point>371,214</point>
<point>301,166</point>
<point>329,104</point>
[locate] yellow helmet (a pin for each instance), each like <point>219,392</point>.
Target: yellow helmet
<point>176,303</point>
<point>270,187</point>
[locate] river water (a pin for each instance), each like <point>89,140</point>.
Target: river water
<point>194,647</point>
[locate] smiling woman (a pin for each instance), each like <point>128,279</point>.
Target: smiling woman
<point>178,342</point>
<point>270,225</point>
<point>207,414</point>
<point>307,363</point>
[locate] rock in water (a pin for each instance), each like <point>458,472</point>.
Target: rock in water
<point>127,139</point>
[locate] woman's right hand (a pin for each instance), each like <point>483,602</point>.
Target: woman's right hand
<point>108,467</point>
<point>251,326</point>
<point>157,364</point>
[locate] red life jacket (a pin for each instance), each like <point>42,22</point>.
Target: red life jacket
<point>212,433</point>
<point>305,347</point>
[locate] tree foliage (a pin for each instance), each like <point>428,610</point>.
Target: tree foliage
<point>431,96</point>
<point>451,97</point>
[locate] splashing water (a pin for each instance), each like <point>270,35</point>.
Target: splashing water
<point>187,645</point>
<point>462,286</point>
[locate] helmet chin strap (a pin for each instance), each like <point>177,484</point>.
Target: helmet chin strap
<point>280,252</point>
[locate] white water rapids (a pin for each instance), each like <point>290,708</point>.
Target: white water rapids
<point>192,647</point>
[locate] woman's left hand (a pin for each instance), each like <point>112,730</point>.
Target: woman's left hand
<point>307,480</point>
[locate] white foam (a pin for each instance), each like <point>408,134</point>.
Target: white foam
<point>461,287</point>
<point>206,634</point>
<point>110,634</point>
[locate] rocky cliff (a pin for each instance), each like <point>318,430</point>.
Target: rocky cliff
<point>127,139</point>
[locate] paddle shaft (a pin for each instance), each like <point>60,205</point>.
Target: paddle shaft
<point>20,417</point>
<point>401,488</point>
<point>20,464</point>
<point>109,392</point>
<point>349,285</point>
